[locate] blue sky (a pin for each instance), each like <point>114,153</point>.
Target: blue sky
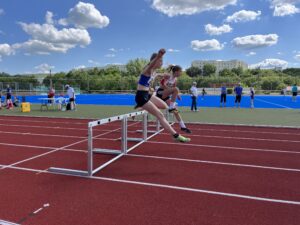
<point>36,36</point>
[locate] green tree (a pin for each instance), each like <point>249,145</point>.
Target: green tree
<point>194,71</point>
<point>135,67</point>
<point>209,69</point>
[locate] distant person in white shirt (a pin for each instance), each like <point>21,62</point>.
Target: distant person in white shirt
<point>72,97</point>
<point>194,95</point>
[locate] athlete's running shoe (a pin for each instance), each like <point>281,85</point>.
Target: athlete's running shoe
<point>186,130</point>
<point>182,139</point>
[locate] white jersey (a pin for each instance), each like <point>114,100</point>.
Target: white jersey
<point>194,91</point>
<point>70,92</point>
<point>170,82</point>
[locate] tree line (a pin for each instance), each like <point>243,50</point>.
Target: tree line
<point>114,78</point>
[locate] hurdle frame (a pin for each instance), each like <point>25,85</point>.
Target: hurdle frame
<point>119,153</point>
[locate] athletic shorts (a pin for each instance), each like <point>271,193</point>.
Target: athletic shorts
<point>141,98</point>
<point>223,98</point>
<point>295,93</point>
<point>159,94</point>
<point>72,100</point>
<point>8,96</point>
<point>238,98</point>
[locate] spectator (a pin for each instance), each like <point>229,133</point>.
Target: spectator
<point>9,103</point>
<point>194,95</point>
<point>16,101</point>
<point>238,90</point>
<point>203,93</point>
<point>0,99</point>
<point>252,92</point>
<point>294,92</point>
<point>71,95</point>
<point>223,95</point>
<point>51,94</point>
<point>61,102</point>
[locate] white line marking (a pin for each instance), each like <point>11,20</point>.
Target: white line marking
<point>245,131</point>
<point>45,127</point>
<point>260,100</point>
<point>54,135</point>
<point>179,188</point>
<point>225,147</point>
<point>38,210</point>
<point>214,162</point>
<point>55,150</point>
<point>154,142</point>
<point>3,222</point>
<point>247,125</point>
<point>186,160</point>
<point>239,138</point>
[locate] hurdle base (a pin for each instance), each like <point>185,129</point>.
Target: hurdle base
<point>135,139</point>
<point>107,151</point>
<point>68,171</point>
<point>148,131</point>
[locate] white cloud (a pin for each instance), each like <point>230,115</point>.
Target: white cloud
<point>189,7</point>
<point>44,68</point>
<point>173,50</point>
<point>285,9</point>
<point>49,33</point>
<point>80,67</point>
<point>93,62</point>
<point>297,57</point>
<point>42,47</point>
<point>6,50</point>
<point>255,41</point>
<point>110,55</point>
<point>207,45</point>
<point>270,63</point>
<point>213,30</point>
<point>243,16</point>
<point>1,12</point>
<point>46,38</point>
<point>49,18</point>
<point>113,49</point>
<point>85,15</point>
<point>251,54</point>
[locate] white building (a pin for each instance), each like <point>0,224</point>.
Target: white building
<point>220,65</point>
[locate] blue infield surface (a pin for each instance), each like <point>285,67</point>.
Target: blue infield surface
<point>260,101</point>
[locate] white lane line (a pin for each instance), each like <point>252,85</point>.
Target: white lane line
<point>245,131</point>
<point>45,127</point>
<point>239,138</point>
<point>214,162</point>
<point>271,103</point>
<point>224,147</point>
<point>178,188</point>
<point>53,135</point>
<point>170,143</point>
<point>47,120</point>
<point>55,150</point>
<point>3,222</point>
<point>246,125</point>
<point>186,160</point>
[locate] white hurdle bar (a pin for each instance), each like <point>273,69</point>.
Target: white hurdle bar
<point>124,148</point>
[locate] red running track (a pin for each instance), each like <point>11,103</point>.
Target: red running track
<point>226,175</point>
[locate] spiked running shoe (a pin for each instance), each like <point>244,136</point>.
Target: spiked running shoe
<point>186,130</point>
<point>182,139</point>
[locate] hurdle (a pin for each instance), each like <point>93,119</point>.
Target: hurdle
<point>119,153</point>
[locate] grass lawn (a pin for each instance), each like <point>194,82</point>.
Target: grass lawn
<point>275,117</point>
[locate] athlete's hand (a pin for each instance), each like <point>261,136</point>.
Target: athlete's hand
<point>179,97</point>
<point>161,52</point>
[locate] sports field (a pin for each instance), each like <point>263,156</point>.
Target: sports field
<point>230,173</point>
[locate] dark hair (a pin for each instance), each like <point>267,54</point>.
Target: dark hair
<point>174,68</point>
<point>153,56</point>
